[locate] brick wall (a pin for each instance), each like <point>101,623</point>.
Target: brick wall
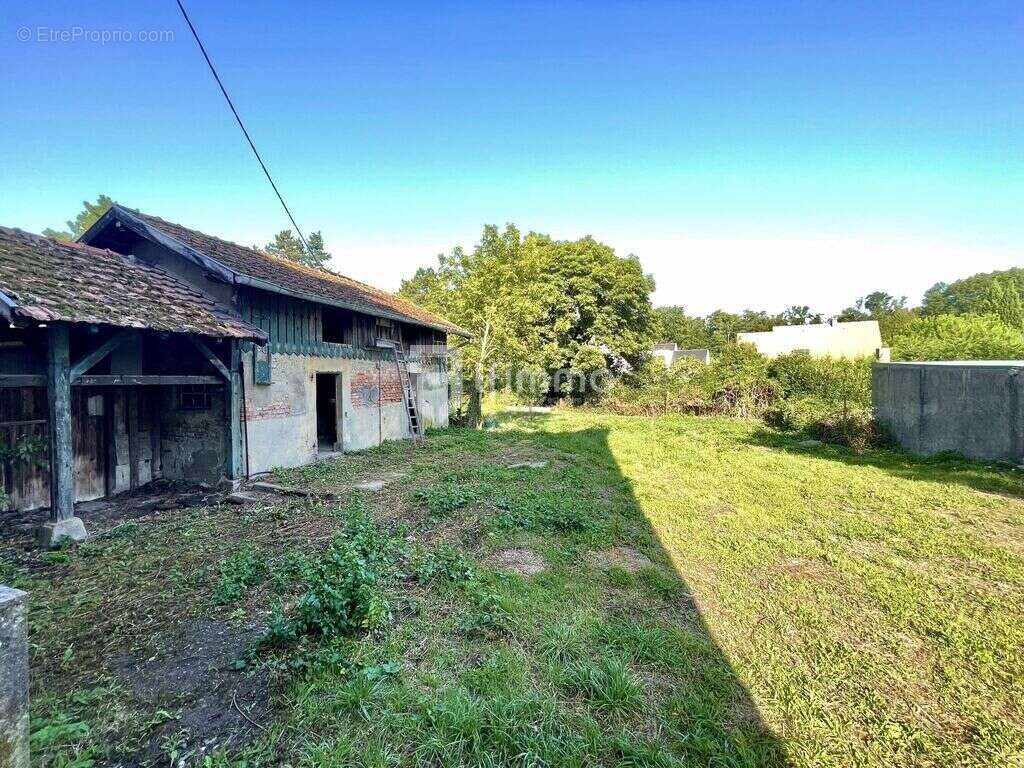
<point>276,410</point>
<point>370,389</point>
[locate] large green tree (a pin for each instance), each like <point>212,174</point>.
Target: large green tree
<point>86,218</point>
<point>672,324</point>
<point>534,300</point>
<point>891,312</point>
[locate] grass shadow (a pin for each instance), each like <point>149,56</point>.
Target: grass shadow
<point>987,476</point>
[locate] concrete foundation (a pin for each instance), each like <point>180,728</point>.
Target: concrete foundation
<point>54,534</point>
<point>14,752</point>
<point>973,408</point>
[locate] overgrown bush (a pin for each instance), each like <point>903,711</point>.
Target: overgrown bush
<point>826,398</point>
<point>959,337</point>
<point>343,595</point>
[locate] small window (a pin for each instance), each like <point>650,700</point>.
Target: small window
<point>385,329</point>
<point>194,397</point>
<point>337,325</point>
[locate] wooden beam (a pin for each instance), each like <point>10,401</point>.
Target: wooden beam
<point>129,380</point>
<point>58,395</point>
<point>234,392</point>
<point>98,354</point>
<point>20,380</point>
<point>208,354</point>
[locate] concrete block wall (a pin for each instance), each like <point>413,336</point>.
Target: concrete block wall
<point>281,416</point>
<point>973,408</point>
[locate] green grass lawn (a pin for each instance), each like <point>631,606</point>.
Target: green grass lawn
<point>685,591</point>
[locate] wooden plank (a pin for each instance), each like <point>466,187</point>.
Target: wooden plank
<point>212,358</point>
<point>62,484</point>
<point>98,354</point>
<point>127,380</point>
<point>22,380</point>
<point>89,447</point>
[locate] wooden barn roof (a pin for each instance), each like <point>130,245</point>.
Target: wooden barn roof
<point>47,280</point>
<point>249,266</point>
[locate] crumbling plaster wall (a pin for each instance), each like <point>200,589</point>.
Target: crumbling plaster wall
<point>281,416</point>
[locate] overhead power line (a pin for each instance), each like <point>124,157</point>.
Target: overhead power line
<point>213,71</point>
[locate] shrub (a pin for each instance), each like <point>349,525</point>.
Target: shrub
<point>739,381</point>
<point>242,569</point>
<point>959,337</point>
<point>343,595</point>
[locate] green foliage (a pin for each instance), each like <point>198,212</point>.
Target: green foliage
<point>1004,301</point>
<point>288,245</point>
<point>971,295</point>
<point>608,684</point>
<point>343,594</point>
<point>541,302</point>
<point>672,324</point>
<point>738,381</point>
<point>959,337</point>
<point>242,569</point>
<point>450,565</point>
<point>27,449</point>
<point>86,218</point>
<point>829,398</point>
<point>444,498</point>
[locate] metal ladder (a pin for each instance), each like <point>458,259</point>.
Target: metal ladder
<point>402,363</point>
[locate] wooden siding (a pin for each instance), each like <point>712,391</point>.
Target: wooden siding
<point>297,325</point>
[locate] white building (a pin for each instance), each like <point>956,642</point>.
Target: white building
<point>832,339</point>
<point>669,353</point>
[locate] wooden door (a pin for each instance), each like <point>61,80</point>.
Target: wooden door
<point>24,445</point>
<point>88,442</point>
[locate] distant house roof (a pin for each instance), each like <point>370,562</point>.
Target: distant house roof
<point>47,280</point>
<point>249,266</point>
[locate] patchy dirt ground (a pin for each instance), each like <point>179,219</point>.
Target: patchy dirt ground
<point>628,559</point>
<point>522,561</point>
<point>196,677</point>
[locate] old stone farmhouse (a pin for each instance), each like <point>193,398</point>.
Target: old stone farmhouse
<point>150,350</point>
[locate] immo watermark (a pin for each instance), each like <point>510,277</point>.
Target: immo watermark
<point>77,34</point>
<point>529,381</point>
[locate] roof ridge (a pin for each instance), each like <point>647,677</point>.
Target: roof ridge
<point>402,306</point>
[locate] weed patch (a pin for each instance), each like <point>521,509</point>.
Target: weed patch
<point>242,569</point>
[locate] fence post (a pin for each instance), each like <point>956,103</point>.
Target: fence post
<point>13,679</point>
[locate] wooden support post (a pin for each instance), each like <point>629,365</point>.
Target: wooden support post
<point>58,382</point>
<point>62,524</point>
<point>234,398</point>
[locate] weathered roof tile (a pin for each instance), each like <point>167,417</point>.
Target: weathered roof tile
<point>52,280</point>
<point>282,273</point>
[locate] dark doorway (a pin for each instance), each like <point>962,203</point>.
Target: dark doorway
<point>327,412</point>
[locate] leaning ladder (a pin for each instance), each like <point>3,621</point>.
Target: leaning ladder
<point>402,363</point>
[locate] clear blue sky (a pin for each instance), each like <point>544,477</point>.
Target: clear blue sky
<point>749,153</point>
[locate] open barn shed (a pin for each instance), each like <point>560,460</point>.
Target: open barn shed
<point>112,373</point>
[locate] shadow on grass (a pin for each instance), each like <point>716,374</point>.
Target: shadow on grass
<point>701,712</point>
<point>990,477</point>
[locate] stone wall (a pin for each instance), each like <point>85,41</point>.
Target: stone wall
<point>13,679</point>
<point>193,443</point>
<point>972,408</point>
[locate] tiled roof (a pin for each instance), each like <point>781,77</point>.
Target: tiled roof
<point>288,276</point>
<point>52,280</point>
